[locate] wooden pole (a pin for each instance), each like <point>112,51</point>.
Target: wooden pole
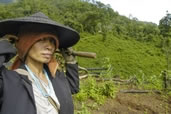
<point>165,79</point>
<point>82,54</point>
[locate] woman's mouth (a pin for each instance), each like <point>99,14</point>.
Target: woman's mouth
<point>47,55</point>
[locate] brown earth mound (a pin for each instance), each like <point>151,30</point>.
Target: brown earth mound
<point>133,103</point>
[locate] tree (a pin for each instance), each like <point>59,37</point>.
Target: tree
<point>165,30</point>
<point>165,25</point>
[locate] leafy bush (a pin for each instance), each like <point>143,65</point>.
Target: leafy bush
<point>96,91</point>
<point>84,110</point>
<point>108,89</point>
<point>93,91</point>
<point>149,82</point>
<point>108,66</point>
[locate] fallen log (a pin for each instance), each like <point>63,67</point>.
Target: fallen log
<point>83,76</point>
<point>118,80</point>
<point>113,79</point>
<point>140,91</point>
<point>91,69</point>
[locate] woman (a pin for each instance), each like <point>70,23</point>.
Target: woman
<point>34,85</point>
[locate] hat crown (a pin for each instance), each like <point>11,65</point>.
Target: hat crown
<point>67,36</point>
<point>39,15</point>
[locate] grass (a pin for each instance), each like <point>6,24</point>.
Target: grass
<point>127,57</point>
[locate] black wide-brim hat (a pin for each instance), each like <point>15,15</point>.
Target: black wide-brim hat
<point>67,36</point>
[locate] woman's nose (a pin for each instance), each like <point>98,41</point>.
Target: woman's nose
<point>50,45</point>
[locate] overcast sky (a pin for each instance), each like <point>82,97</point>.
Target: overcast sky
<point>144,10</point>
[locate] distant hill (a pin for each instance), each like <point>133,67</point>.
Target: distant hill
<point>7,1</point>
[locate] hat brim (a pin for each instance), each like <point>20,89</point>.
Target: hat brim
<point>67,36</point>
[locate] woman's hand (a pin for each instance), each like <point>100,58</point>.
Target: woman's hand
<point>68,56</point>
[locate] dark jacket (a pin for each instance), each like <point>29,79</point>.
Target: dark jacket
<point>16,92</point>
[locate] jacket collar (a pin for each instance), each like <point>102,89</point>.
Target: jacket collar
<point>25,77</point>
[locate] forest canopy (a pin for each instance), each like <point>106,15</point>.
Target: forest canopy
<point>124,41</point>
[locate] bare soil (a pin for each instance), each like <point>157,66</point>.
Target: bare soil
<point>133,103</point>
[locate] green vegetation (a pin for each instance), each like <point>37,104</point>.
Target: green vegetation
<point>92,94</point>
<point>97,92</point>
<point>128,57</point>
<point>132,46</point>
<point>125,46</point>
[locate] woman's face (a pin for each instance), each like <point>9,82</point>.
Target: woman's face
<point>42,51</point>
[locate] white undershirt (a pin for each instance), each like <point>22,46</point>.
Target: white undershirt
<point>42,103</point>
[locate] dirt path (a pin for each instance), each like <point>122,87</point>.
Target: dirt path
<point>131,103</point>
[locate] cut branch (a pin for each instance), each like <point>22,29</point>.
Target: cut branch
<point>140,91</point>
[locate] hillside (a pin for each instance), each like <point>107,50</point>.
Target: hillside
<point>126,57</point>
<point>127,47</point>
<point>130,46</point>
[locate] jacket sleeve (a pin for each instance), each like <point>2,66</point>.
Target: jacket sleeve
<point>72,77</point>
<point>7,51</point>
<point>1,86</point>
<point>0,92</point>
<point>2,59</point>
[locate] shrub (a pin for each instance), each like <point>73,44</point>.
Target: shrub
<point>96,91</point>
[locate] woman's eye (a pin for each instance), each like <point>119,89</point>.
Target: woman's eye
<point>52,41</point>
<point>43,39</point>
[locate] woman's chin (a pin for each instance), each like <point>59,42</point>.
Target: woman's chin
<point>46,61</point>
